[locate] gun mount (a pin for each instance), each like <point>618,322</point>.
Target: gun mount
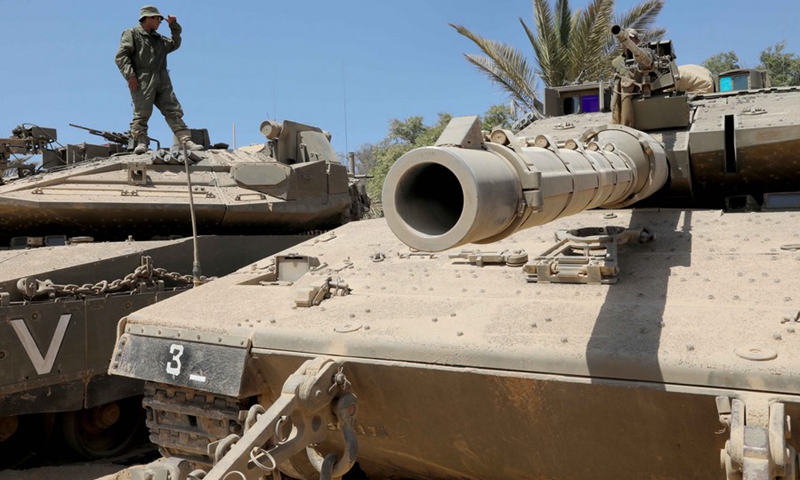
<point>648,71</point>
<point>652,64</point>
<point>25,140</point>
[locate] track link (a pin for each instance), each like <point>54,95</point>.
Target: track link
<point>183,422</point>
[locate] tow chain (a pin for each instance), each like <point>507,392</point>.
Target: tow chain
<point>32,288</point>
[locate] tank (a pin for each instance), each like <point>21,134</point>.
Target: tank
<point>95,232</point>
<point>291,184</point>
<point>578,299</point>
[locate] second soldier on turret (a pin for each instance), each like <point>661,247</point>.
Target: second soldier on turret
<point>142,60</point>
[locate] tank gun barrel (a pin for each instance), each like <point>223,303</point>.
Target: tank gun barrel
<point>643,59</point>
<point>475,191</point>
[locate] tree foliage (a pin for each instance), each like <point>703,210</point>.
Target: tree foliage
<point>722,62</point>
<point>783,68</point>
<point>498,116</point>
<point>568,46</point>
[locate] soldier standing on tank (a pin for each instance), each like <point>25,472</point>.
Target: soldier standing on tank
<point>142,60</point>
<point>624,86</point>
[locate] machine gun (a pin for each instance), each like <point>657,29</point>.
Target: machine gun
<point>123,139</point>
<point>25,140</point>
<point>652,64</point>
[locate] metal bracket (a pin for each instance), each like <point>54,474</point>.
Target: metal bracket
<point>315,294</point>
<point>516,258</point>
<point>418,254</point>
<point>756,452</point>
<point>137,173</point>
<point>314,404</point>
<point>584,255</point>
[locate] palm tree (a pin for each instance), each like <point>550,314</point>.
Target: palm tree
<point>568,46</point>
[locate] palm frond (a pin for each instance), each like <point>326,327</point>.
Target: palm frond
<point>546,45</point>
<point>590,29</point>
<point>567,45</point>
<point>563,21</point>
<point>504,65</point>
<point>523,94</point>
<point>642,16</point>
<point>654,34</point>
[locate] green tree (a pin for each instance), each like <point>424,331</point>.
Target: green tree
<point>783,68</point>
<point>568,46</point>
<point>498,116</point>
<point>722,62</point>
<point>366,158</point>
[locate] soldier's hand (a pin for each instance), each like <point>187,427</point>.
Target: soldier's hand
<point>171,19</point>
<point>133,84</point>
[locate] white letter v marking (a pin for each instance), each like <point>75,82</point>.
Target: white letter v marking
<point>41,364</point>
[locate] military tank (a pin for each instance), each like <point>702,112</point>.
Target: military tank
<point>94,233</point>
<point>293,183</point>
<point>629,310</point>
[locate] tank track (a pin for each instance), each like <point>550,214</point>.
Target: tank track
<point>183,421</point>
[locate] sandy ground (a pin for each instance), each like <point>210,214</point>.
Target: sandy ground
<point>107,469</point>
<point>85,471</point>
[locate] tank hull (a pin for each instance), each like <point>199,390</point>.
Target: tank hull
<point>467,371</point>
<point>112,198</point>
<point>454,422</point>
<point>55,351</point>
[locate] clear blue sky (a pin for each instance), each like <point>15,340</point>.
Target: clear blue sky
<point>245,61</point>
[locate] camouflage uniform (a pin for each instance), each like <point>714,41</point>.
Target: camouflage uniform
<point>144,55</point>
<point>624,89</point>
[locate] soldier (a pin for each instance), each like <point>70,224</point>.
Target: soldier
<point>624,86</point>
<point>142,60</point>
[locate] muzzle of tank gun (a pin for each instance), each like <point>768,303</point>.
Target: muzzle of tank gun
<point>441,197</point>
<point>642,58</point>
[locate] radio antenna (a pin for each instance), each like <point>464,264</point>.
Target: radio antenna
<point>344,95</point>
<point>274,100</point>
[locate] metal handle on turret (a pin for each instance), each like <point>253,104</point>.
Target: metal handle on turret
<point>441,197</point>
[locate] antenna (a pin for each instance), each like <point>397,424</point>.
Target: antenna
<point>196,271</point>
<point>344,94</point>
<point>274,100</point>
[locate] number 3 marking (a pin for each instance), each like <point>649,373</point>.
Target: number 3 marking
<point>177,351</point>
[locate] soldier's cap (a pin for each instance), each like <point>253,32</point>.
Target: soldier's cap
<point>149,11</point>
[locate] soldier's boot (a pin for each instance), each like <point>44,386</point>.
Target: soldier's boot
<point>185,138</point>
<point>142,145</point>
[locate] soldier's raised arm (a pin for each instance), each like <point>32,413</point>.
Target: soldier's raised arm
<point>175,29</point>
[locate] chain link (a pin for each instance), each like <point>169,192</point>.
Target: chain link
<point>32,288</point>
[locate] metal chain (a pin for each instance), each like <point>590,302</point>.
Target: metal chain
<point>32,288</point>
